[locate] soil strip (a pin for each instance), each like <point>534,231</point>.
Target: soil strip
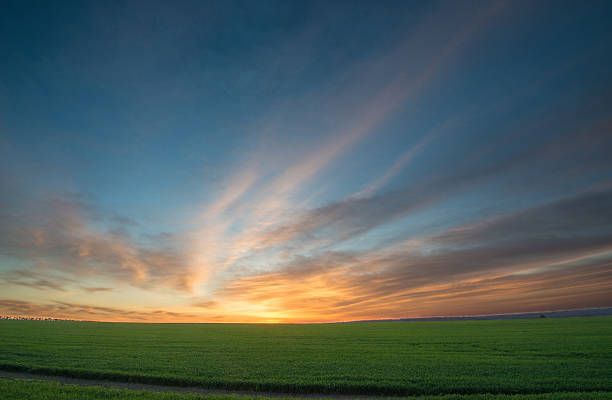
<point>179,389</point>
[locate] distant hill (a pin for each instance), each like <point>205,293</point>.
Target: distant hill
<point>592,312</point>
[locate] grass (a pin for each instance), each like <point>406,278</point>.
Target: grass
<point>410,358</point>
<point>20,389</point>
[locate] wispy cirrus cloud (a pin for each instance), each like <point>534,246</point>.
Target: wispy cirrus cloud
<point>357,215</point>
<point>382,86</point>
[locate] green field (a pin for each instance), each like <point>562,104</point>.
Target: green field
<point>394,358</point>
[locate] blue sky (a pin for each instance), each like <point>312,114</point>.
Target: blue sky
<point>304,161</point>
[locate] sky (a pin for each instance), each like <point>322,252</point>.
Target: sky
<point>304,161</point>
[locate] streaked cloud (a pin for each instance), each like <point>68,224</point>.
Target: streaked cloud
<point>60,309</point>
<point>68,239</point>
<point>545,241</point>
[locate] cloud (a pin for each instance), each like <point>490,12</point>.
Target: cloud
<point>33,279</point>
<point>206,304</point>
<point>356,215</point>
<point>97,289</point>
<point>541,255</point>
<point>560,248</point>
<point>68,237</point>
<point>67,310</point>
<point>399,164</point>
<point>366,94</point>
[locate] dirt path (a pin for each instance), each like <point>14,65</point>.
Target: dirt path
<point>177,389</point>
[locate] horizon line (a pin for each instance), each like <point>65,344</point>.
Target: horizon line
<point>446,318</point>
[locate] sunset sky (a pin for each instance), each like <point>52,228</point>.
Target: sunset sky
<point>304,161</point>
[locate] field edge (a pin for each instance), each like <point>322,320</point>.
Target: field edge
<point>29,389</point>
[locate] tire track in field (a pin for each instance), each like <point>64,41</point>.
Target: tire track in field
<point>182,389</point>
